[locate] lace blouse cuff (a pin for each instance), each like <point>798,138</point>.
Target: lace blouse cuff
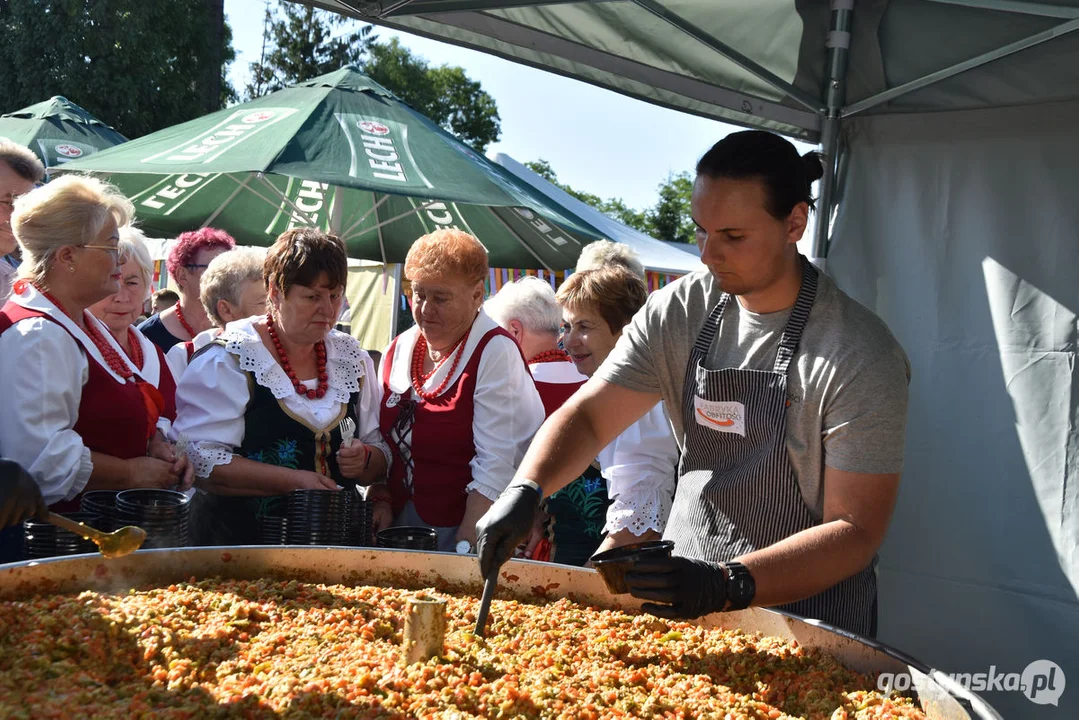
<point>82,475</point>
<point>205,456</point>
<point>638,512</point>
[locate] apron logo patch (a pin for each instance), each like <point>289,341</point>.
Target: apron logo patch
<point>726,417</point>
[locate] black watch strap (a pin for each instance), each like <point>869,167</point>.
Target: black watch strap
<point>741,588</point>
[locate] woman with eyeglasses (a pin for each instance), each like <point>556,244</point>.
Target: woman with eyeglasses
<point>186,263</point>
<point>263,406</point>
<point>76,412</point>
<point>459,407</point>
<point>120,310</point>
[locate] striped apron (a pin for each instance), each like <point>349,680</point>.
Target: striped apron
<point>737,491</point>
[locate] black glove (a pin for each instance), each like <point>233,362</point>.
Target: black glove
<point>20,497</point>
<point>690,588</point>
<point>505,525</point>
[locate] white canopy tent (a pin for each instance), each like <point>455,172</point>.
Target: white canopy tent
<point>655,254</point>
<point>953,163</point>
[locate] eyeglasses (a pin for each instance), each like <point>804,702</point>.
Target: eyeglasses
<point>197,266</point>
<point>113,250</point>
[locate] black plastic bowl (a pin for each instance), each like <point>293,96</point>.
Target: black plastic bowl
<point>613,564</point>
<point>408,538</point>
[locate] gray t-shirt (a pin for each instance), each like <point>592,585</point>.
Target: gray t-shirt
<point>847,384</point>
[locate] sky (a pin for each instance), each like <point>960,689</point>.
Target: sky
<point>595,140</point>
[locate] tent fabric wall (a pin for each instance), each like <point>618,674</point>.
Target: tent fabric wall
<point>962,231</point>
<point>371,291</point>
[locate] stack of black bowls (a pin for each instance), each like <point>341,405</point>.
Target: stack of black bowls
<point>408,538</point>
<point>163,514</point>
<point>42,539</point>
<point>319,517</point>
<point>103,504</point>
<point>362,522</point>
<point>273,530</point>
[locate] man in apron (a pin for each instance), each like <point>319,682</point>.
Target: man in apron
<point>787,398</point>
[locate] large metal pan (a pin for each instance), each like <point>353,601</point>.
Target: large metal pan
<point>940,697</point>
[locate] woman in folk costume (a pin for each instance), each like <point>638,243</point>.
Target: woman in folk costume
<point>458,406</point>
<point>77,414</point>
<point>262,405</point>
<point>640,464</point>
<point>187,262</point>
<point>120,310</point>
<point>570,526</point>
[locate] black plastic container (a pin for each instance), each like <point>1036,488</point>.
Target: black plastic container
<point>361,530</point>
<point>613,564</point>
<point>42,539</point>
<point>163,514</point>
<point>319,517</point>
<point>103,504</point>
<point>272,530</point>
<point>408,538</point>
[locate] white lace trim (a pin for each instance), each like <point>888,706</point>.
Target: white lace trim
<point>638,512</point>
<point>344,365</point>
<point>205,456</point>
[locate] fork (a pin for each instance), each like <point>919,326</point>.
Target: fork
<point>348,431</point>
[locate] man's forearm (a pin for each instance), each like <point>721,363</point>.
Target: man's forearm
<point>808,562</point>
<point>562,449</point>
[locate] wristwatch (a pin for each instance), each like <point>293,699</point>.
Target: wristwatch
<point>740,585</point>
<point>464,547</point>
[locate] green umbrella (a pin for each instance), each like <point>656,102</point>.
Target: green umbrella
<point>58,130</point>
<point>341,153</point>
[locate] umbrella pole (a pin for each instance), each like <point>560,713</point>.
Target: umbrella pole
<point>395,310</point>
<point>835,91</point>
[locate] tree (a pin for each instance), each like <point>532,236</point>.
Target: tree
<point>445,94</point>
<point>139,66</point>
<point>302,46</point>
<point>613,207</point>
<point>671,219</point>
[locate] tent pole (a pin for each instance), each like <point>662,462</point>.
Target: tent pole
<point>835,91</point>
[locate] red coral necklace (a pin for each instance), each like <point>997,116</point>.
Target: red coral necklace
<point>115,362</point>
<point>419,377</point>
<point>556,355</point>
<point>183,322</point>
<point>320,355</point>
<point>136,347</point>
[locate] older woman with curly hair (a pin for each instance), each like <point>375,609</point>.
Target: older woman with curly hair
<point>458,405</point>
<point>262,405</point>
<point>186,264</point>
<point>77,414</point>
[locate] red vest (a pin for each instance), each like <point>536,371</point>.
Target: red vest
<point>113,417</point>
<point>442,443</point>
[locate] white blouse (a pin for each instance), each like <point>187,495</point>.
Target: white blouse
<point>508,410</point>
<point>42,372</point>
<point>640,467</point>
<point>213,394</point>
<point>176,356</point>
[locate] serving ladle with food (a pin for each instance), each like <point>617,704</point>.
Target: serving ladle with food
<point>116,544</point>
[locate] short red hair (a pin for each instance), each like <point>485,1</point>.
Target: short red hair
<point>446,253</point>
<point>188,245</point>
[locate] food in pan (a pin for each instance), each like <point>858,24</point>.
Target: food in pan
<point>268,648</point>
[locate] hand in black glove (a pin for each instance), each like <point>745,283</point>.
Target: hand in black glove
<point>20,497</point>
<point>505,525</point>
<point>690,588</point>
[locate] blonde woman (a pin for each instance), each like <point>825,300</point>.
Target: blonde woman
<point>121,310</point>
<point>78,416</point>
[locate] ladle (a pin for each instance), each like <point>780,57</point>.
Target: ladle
<point>116,544</point>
